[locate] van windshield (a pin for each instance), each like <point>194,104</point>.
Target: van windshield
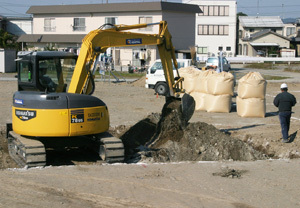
<point>158,66</point>
<point>212,61</point>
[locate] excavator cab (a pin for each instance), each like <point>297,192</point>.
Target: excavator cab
<point>49,71</point>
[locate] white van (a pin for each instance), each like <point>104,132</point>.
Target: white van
<point>212,62</point>
<point>155,78</point>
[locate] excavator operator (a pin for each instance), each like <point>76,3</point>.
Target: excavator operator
<point>45,80</point>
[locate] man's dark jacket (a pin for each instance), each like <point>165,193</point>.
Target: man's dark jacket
<point>284,101</point>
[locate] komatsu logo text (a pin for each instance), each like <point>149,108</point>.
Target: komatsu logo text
<point>19,101</point>
<point>134,41</point>
<point>25,115</point>
<point>94,116</point>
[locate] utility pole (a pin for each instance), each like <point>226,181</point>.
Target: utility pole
<point>257,8</point>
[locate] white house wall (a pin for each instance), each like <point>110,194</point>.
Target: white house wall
<point>64,23</point>
<point>213,42</point>
<point>182,26</point>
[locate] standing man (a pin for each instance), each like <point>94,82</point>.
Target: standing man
<point>285,101</point>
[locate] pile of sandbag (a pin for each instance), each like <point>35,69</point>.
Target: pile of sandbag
<point>212,91</point>
<point>250,101</point>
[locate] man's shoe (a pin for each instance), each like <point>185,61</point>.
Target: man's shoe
<point>285,140</point>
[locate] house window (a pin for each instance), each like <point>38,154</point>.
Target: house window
<point>49,25</point>
<point>213,29</point>
<point>79,24</point>
<point>240,49</point>
<point>145,20</point>
<point>245,50</point>
<point>202,50</point>
<point>220,48</point>
<point>228,48</point>
<point>110,20</point>
<point>214,10</point>
<point>240,33</point>
<point>290,31</point>
<point>204,11</point>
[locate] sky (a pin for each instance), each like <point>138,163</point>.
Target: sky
<point>282,8</point>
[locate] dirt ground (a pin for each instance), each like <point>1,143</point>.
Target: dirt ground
<point>79,180</point>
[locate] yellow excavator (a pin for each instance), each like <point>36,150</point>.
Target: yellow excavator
<point>54,105</point>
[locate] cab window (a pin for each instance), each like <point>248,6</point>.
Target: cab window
<point>25,71</point>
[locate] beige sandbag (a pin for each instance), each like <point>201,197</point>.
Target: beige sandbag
<point>218,103</point>
<point>199,98</point>
<point>220,84</point>
<point>190,75</point>
<point>251,107</point>
<point>202,79</point>
<point>252,85</point>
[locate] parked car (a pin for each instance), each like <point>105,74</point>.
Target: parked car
<point>214,63</point>
<point>155,78</point>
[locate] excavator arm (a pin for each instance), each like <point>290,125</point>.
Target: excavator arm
<point>97,41</point>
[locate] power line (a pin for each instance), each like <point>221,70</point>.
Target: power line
<point>254,7</point>
<point>14,12</point>
<point>14,5</point>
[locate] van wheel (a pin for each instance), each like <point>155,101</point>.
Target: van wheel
<point>162,88</point>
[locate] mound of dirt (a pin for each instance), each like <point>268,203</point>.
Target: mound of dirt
<point>140,82</point>
<point>170,139</point>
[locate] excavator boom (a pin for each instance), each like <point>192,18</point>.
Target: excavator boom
<point>97,41</point>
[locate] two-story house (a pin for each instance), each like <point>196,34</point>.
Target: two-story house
<point>261,36</point>
<point>295,34</point>
<point>215,27</point>
<point>64,26</point>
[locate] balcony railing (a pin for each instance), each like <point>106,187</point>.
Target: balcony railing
<point>79,28</point>
<point>49,29</point>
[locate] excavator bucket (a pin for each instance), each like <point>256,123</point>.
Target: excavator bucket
<point>188,106</point>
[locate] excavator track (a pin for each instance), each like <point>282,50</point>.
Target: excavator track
<point>28,152</point>
<point>25,151</point>
<point>111,149</point>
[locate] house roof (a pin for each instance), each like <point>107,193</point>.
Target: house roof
<point>38,38</point>
<point>260,21</point>
<point>262,33</point>
<point>19,18</point>
<point>264,44</point>
<point>114,7</point>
